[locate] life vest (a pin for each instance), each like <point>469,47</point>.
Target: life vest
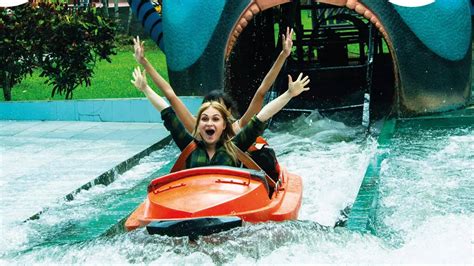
<point>180,163</point>
<point>265,157</point>
<point>258,157</point>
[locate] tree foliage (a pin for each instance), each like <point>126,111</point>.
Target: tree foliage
<point>63,43</point>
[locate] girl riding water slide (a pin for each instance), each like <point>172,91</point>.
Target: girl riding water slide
<point>261,153</point>
<point>213,132</point>
<point>182,111</point>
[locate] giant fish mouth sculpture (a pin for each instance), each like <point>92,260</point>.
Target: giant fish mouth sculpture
<point>430,51</point>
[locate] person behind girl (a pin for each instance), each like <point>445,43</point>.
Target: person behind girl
<point>182,111</point>
<point>213,132</point>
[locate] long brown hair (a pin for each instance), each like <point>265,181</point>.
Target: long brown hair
<point>227,134</point>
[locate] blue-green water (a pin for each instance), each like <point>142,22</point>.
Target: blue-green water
<point>425,213</point>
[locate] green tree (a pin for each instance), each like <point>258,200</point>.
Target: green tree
<point>15,49</point>
<point>63,43</point>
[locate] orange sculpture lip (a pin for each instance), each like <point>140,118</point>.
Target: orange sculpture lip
<point>216,192</point>
<point>257,6</point>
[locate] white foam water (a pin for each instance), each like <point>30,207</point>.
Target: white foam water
<point>425,208</point>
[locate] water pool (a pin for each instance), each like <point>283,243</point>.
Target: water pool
<point>425,209</point>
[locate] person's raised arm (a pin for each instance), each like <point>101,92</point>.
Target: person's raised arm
<point>295,88</point>
<point>140,83</point>
<point>181,110</point>
<point>257,101</point>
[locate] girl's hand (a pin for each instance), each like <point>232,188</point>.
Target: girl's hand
<point>296,87</point>
<point>139,51</point>
<point>140,79</point>
<point>287,42</point>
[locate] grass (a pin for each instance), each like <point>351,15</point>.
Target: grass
<point>110,80</point>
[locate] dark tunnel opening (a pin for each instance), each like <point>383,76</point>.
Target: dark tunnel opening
<point>343,54</point>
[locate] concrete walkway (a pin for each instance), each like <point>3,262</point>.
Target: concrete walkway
<point>62,156</point>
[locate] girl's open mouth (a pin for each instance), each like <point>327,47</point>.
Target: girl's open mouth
<point>210,132</point>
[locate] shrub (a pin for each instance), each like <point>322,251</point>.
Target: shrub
<point>63,42</point>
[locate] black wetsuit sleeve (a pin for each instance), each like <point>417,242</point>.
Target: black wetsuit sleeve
<point>180,136</point>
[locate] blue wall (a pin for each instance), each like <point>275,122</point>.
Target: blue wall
<point>103,110</point>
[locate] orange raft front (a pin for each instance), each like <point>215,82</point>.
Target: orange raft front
<point>217,192</point>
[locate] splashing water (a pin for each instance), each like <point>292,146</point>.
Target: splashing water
<point>425,213</point>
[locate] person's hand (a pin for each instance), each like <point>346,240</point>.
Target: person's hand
<point>139,79</point>
<point>287,42</point>
<point>139,51</point>
<point>296,87</point>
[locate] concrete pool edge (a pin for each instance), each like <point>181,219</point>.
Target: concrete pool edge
<point>362,215</point>
<point>94,110</point>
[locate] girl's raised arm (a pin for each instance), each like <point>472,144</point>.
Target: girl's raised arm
<point>257,101</point>
<point>181,110</point>
<point>139,81</point>
<point>295,88</point>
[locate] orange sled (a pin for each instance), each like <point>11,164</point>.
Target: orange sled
<point>204,200</point>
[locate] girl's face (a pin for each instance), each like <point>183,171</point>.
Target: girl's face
<point>211,125</point>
